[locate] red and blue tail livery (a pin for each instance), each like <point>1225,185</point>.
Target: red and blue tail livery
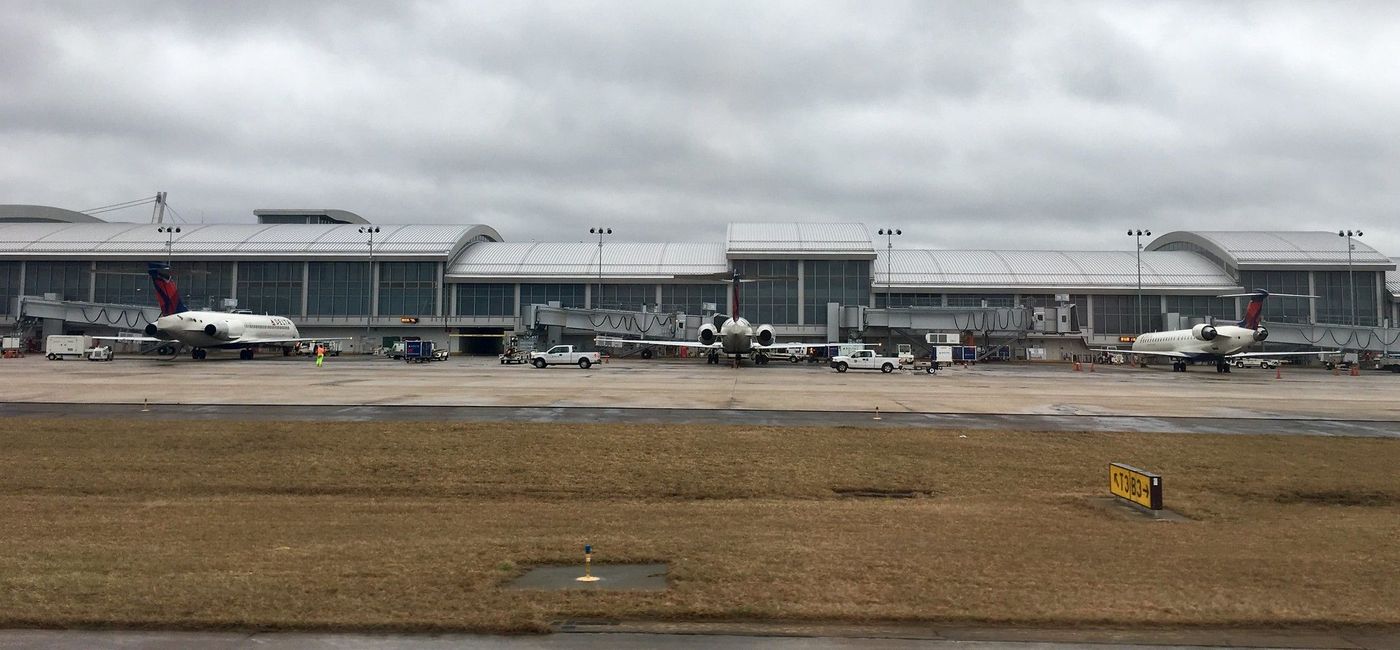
<point>167,294</point>
<point>1254,312</point>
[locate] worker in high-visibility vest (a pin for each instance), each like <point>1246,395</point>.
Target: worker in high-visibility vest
<point>320,355</point>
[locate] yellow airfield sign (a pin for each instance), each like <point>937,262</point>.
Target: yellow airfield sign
<point>1138,486</point>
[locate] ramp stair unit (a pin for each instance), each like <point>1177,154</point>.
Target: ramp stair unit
<point>123,317</point>
<point>615,322</point>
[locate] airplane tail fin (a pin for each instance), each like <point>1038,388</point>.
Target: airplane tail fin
<point>167,294</point>
<point>1254,312</point>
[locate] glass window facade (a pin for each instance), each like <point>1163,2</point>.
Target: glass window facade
<point>975,299</point>
<point>824,281</point>
<point>568,295</point>
<point>909,299</point>
<point>1282,310</point>
<point>485,299</point>
<point>408,289</point>
<point>624,296</point>
<point>204,285</point>
<point>772,300</point>
<point>1116,315</point>
<point>9,286</point>
<point>690,298</point>
<point>125,283</point>
<point>270,287</point>
<point>1200,306</point>
<point>337,289</point>
<point>70,280</point>
<point>1335,303</point>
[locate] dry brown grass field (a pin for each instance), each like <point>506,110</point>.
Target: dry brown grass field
<point>418,525</point>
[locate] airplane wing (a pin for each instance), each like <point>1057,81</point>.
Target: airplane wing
<point>1174,355</point>
<point>248,341</point>
<point>610,341</point>
<point>132,339</point>
<point>789,346</point>
<point>1247,355</point>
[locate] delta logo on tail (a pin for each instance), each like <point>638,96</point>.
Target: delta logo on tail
<point>167,294</point>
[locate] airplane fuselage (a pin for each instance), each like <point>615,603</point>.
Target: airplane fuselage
<point>736,336</point>
<point>217,329</point>
<point>1229,339</point>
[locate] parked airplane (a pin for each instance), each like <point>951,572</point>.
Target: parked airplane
<point>1218,343</point>
<point>735,337</point>
<point>203,330</point>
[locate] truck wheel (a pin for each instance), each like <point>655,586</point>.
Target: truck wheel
<point>842,367</point>
<point>584,363</point>
<point>539,363</point>
<point>646,354</point>
<point>887,368</point>
<point>52,356</point>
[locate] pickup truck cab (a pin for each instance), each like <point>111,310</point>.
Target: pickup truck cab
<point>864,360</point>
<point>563,354</point>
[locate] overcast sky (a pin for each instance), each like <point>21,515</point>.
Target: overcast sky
<point>968,124</point>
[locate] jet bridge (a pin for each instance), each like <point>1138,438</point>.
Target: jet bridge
<point>991,320</point>
<point>116,316</point>
<point>615,322</point>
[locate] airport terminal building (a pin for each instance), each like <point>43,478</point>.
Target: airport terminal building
<point>466,287</point>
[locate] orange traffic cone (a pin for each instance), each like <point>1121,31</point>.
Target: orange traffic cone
<point>1077,367</point>
<point>1278,372</point>
<point>1356,371</point>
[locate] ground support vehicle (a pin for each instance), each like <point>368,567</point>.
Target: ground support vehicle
<point>864,360</point>
<point>1390,362</point>
<point>101,353</point>
<point>939,356</point>
<point>59,346</point>
<point>1257,362</point>
<point>564,355</point>
<point>422,352</point>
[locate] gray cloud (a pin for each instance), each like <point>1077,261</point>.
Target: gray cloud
<point>967,124</point>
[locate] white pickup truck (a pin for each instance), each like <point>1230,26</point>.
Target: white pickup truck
<point>563,354</point>
<point>864,360</point>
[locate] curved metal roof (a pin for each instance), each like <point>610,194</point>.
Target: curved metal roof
<point>1048,270</point>
<point>1392,281</point>
<point>241,241</point>
<point>579,260</point>
<point>1269,250</point>
<point>788,239</point>
<point>19,213</point>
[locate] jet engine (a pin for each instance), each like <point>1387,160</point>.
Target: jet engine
<point>224,330</point>
<point>1204,332</point>
<point>708,334</point>
<point>764,335</point>
<point>152,331</point>
<point>1261,334</point>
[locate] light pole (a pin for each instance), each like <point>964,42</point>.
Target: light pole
<point>889,234</point>
<point>169,232</point>
<point>599,231</point>
<point>1137,236</point>
<point>369,231</point>
<point>1351,278</point>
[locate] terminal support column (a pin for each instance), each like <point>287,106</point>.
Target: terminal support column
<point>305,286</point>
<point>801,293</point>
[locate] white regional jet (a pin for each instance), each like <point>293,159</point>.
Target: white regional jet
<point>203,330</point>
<point>1218,343</point>
<point>735,337</point>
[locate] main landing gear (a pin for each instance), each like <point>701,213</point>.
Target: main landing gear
<point>760,359</point>
<point>198,353</point>
<point>245,354</point>
<point>713,358</point>
<point>1222,366</point>
<point>1178,366</point>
